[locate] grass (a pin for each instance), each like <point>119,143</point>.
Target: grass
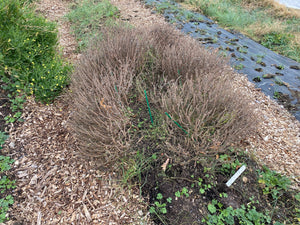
<point>274,27</point>
<point>88,17</point>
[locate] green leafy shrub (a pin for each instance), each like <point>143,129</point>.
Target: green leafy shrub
<point>29,61</point>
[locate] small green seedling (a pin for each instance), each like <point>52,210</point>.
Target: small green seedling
<point>184,192</point>
<point>159,206</point>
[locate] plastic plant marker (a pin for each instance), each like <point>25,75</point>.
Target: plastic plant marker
<point>148,107</point>
<point>236,176</point>
<point>177,123</point>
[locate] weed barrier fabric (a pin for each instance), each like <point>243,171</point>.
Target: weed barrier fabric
<point>277,76</point>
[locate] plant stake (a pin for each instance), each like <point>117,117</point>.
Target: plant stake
<point>148,106</point>
<point>177,123</point>
<point>236,175</point>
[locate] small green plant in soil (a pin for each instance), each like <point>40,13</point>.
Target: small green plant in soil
<point>134,167</point>
<point>16,107</point>
<point>184,192</point>
<point>3,137</point>
<point>273,183</point>
<point>204,187</point>
<point>5,183</point>
<point>5,203</point>
<point>238,67</point>
<point>160,207</point>
<point>228,166</point>
<point>243,215</point>
<point>276,94</point>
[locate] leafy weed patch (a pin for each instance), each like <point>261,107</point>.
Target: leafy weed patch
<point>6,184</point>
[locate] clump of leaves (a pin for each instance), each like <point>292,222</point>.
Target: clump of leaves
<point>3,137</point>
<point>272,182</point>
<point>5,184</point>
<point>4,206</point>
<point>243,215</point>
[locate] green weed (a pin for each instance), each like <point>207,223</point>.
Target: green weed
<point>3,137</point>
<point>273,183</point>
<point>5,203</point>
<point>159,207</point>
<point>228,166</point>
<point>243,215</point>
<point>5,182</point>
<point>184,192</point>
<point>238,67</point>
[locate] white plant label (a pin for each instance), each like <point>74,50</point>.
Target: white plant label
<point>236,175</point>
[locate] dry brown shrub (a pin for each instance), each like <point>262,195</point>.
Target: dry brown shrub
<point>199,96</point>
<point>100,87</point>
<point>181,78</point>
<point>211,113</point>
